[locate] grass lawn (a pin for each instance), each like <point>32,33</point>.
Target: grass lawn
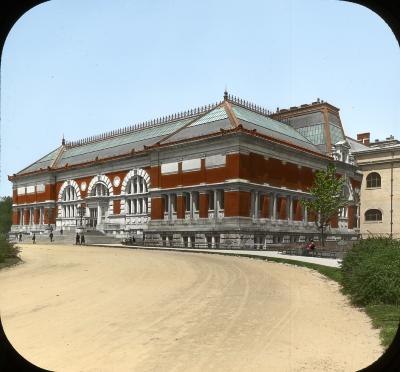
<point>386,318</point>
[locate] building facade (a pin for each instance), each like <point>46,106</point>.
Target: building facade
<point>227,174</point>
<point>379,161</point>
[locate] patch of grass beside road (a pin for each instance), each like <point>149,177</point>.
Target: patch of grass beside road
<point>331,272</point>
<point>386,318</point>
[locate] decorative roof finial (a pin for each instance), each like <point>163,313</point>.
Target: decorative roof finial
<point>225,94</point>
<point>63,140</point>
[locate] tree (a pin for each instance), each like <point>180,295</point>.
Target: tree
<point>5,214</point>
<point>327,197</point>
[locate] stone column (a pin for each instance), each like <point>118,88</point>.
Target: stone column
<point>215,204</point>
<point>256,204</point>
<point>191,201</point>
<point>357,216</point>
<point>173,206</point>
<point>305,215</point>
<point>290,215</point>
<point>169,207</point>
<point>98,215</point>
<point>274,206</point>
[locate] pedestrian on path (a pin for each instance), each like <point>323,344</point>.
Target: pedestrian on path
<point>20,237</point>
<point>82,239</point>
<point>33,238</point>
<point>51,236</point>
<point>77,240</point>
<point>311,247</point>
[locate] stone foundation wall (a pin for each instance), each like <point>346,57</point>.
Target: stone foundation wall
<point>232,239</point>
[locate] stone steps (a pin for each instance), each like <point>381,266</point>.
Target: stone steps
<point>91,237</point>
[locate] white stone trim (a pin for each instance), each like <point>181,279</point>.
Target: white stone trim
<point>191,165</point>
<point>132,173</point>
<point>64,185</point>
<point>21,190</point>
<point>69,183</point>
<point>215,161</point>
<point>102,178</point>
<point>168,168</point>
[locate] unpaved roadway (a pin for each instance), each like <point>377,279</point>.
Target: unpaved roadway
<point>69,308</point>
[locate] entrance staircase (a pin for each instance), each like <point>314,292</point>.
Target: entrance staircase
<point>68,237</point>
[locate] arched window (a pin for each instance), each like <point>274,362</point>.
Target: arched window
<point>69,194</point>
<point>136,185</point>
<point>70,202</point>
<point>373,180</point>
<point>136,192</point>
<point>373,215</point>
<point>99,189</point>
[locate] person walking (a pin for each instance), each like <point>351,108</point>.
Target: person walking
<point>82,239</point>
<point>20,237</point>
<point>61,231</point>
<point>51,236</point>
<point>77,240</point>
<point>33,238</point>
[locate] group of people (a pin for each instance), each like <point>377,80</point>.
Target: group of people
<point>79,239</point>
<point>34,237</point>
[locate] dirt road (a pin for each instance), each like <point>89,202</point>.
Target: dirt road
<point>70,308</point>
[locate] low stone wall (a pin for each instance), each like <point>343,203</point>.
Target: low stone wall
<point>239,240</point>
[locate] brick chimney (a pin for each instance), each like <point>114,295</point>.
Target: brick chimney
<point>363,138</point>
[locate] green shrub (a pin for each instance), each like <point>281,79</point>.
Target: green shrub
<point>371,272</point>
<point>7,249</point>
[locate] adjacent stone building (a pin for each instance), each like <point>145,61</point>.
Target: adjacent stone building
<point>379,161</point>
<point>226,174</point>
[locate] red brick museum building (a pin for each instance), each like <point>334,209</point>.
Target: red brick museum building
<point>226,174</point>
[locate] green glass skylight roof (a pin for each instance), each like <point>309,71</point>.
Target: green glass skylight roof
<point>136,136</point>
<point>271,125</point>
<point>336,134</point>
<point>314,133</point>
<point>216,114</point>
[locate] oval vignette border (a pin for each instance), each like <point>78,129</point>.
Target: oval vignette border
<point>11,11</point>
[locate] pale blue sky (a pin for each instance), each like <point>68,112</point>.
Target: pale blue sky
<point>80,68</point>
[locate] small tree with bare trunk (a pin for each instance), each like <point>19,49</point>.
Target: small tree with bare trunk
<point>327,198</point>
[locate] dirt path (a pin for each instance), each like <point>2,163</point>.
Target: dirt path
<point>106,309</point>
